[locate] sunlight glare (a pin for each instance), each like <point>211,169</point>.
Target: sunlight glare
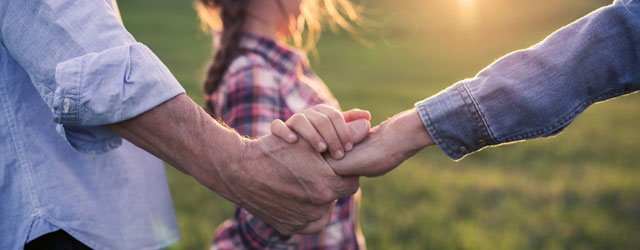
<point>467,13</point>
<point>466,2</point>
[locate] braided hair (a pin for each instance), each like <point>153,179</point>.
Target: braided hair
<point>229,17</point>
<point>232,15</point>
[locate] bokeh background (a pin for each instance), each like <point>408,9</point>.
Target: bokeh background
<point>578,190</point>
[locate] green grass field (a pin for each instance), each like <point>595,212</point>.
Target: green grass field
<point>578,190</point>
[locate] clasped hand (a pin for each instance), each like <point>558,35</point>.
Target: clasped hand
<point>292,183</point>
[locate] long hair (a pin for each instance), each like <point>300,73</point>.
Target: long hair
<point>227,17</point>
<point>232,16</point>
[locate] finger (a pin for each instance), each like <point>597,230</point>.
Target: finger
<point>356,114</point>
<point>324,126</point>
<point>283,226</point>
<point>319,225</point>
<point>359,129</point>
<point>372,157</point>
<point>279,129</point>
<point>339,125</point>
<point>301,124</point>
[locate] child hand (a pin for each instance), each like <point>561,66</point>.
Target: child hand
<point>324,127</point>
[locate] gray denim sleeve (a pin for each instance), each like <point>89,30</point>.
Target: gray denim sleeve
<point>537,92</point>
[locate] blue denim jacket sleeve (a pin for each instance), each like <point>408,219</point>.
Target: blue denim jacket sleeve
<point>539,91</point>
<point>88,69</point>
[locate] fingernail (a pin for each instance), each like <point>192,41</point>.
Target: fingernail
<point>292,137</point>
<point>349,146</point>
<point>322,146</point>
<point>339,154</point>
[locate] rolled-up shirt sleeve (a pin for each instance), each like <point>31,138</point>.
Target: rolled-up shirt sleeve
<point>537,92</point>
<point>88,69</point>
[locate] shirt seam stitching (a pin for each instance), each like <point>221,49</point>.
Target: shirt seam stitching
<point>19,148</point>
<point>486,130</point>
<point>471,111</point>
<point>79,93</point>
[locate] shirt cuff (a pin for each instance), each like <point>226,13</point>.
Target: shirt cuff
<point>454,121</point>
<point>105,88</point>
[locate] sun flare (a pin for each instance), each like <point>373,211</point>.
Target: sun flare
<point>467,2</point>
<point>467,13</point>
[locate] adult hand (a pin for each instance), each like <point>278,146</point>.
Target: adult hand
<point>289,186</point>
<point>390,144</point>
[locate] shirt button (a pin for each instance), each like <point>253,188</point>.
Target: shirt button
<point>482,143</point>
<point>462,150</point>
<point>66,103</point>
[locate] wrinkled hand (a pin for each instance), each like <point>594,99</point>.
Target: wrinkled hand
<point>390,144</point>
<point>289,186</point>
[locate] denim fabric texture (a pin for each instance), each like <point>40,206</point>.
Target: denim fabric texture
<point>67,67</point>
<point>539,91</point>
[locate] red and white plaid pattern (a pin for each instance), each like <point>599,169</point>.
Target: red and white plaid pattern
<point>269,81</point>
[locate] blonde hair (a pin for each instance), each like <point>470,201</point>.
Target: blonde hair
<point>306,30</point>
<point>228,17</point>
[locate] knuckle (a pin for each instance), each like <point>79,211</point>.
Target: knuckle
<point>326,106</point>
<point>322,196</point>
<point>349,187</point>
<point>274,124</point>
<point>315,108</point>
<point>295,119</point>
<point>323,120</point>
<point>353,187</point>
<point>335,115</point>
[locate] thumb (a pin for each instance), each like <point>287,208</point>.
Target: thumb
<point>359,130</point>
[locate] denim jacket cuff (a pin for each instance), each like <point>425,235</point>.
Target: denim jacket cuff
<point>454,121</point>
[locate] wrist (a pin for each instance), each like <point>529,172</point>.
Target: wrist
<point>220,149</point>
<point>412,130</point>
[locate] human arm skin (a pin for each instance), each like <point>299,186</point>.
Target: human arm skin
<point>536,92</point>
<point>289,186</point>
<point>389,144</point>
<point>90,72</point>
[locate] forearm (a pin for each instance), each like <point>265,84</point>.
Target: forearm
<point>287,186</point>
<point>410,128</point>
<point>390,144</point>
<point>184,135</point>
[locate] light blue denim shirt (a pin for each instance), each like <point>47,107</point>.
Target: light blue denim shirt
<point>66,68</point>
<point>539,91</point>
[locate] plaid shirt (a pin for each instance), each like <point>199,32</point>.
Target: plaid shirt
<point>267,82</point>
